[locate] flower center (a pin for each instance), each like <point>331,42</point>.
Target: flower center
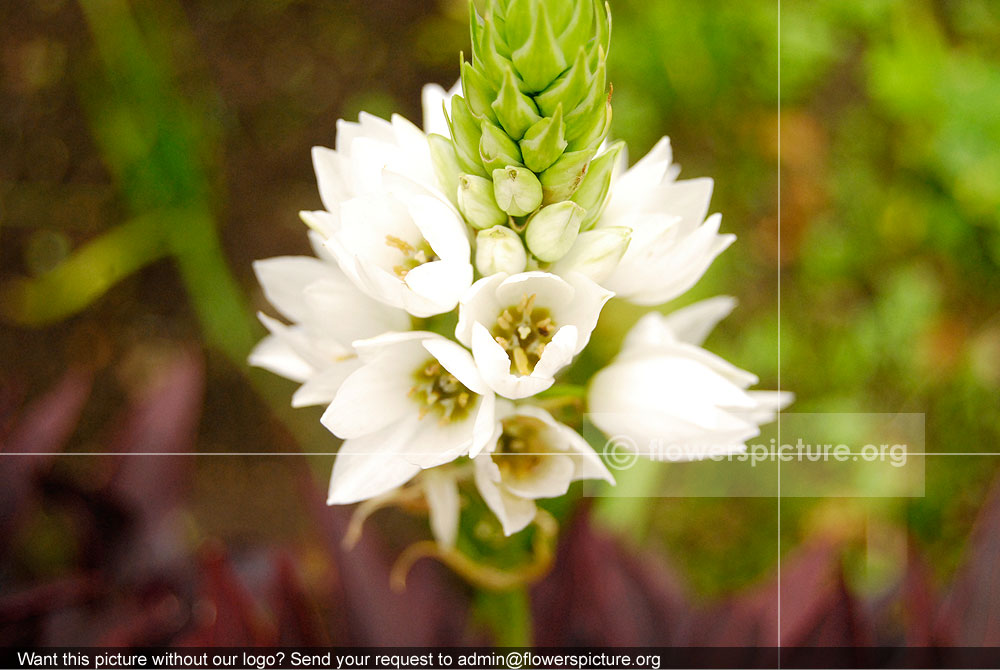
<point>523,330</point>
<point>520,447</point>
<point>413,256</point>
<point>437,390</point>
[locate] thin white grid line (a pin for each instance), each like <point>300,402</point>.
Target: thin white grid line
<point>738,457</point>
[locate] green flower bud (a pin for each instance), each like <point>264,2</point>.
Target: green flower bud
<point>479,92</point>
<point>544,142</point>
<point>537,87</point>
<point>516,111</point>
<point>552,231</point>
<point>499,249</point>
<point>596,253</point>
<point>517,190</point>
<point>477,203</point>
<point>446,166</point>
<point>569,89</point>
<point>592,193</point>
<point>539,59</point>
<point>496,149</point>
<point>564,176</point>
<point>466,132</point>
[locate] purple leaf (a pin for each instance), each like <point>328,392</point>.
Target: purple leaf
<point>42,431</point>
<point>970,613</point>
<point>601,594</point>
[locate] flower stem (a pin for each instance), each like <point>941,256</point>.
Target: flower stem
<point>507,614</point>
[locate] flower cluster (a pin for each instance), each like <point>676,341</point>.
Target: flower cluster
<point>461,269</point>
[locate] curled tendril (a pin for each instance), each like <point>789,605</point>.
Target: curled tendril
<point>409,497</point>
<point>478,574</point>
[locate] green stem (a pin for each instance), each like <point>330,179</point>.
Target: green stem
<point>563,391</point>
<point>220,304</point>
<point>507,614</point>
<point>85,276</point>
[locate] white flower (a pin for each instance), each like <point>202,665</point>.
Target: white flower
<point>417,401</point>
<point>370,147</point>
<point>327,313</point>
<point>524,328</point>
<point>672,245</point>
<point>410,251</point>
<point>434,100</point>
<point>534,457</point>
<point>666,394</point>
<point>386,222</point>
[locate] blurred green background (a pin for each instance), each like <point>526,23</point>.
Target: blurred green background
<point>151,150</point>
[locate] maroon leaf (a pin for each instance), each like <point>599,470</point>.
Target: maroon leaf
<point>42,431</point>
<point>970,613</point>
<point>299,621</point>
<point>601,594</point>
<point>225,613</point>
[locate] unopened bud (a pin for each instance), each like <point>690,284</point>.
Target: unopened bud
<point>561,180</point>
<point>592,194</point>
<point>596,253</point>
<point>499,249</point>
<point>496,149</point>
<point>553,230</point>
<point>477,203</point>
<point>445,162</point>
<point>544,142</point>
<point>517,190</point>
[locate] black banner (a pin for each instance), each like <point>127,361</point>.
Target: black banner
<point>492,658</point>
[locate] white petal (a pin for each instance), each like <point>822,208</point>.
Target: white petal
<point>370,399</point>
<point>584,310</point>
<point>433,443</point>
<point>558,352</point>
<point>550,477</point>
<point>550,290</point>
<point>333,188</point>
<point>513,512</point>
<point>637,182</point>
<point>365,468</point>
<point>322,387</point>
<point>275,355</point>
<point>323,224</point>
<point>640,279</point>
<point>688,199</point>
<point>486,429</point>
<point>588,464</point>
<point>433,98</point>
<point>458,361</point>
<point>317,240</point>
<point>441,226</point>
<point>440,283</point>
<point>478,305</point>
<point>405,343</point>
<point>341,311</point>
<point>769,403</point>
<point>494,366</point>
<point>693,323</point>
<point>298,341</point>
<point>285,278</point>
<point>443,503</point>
<point>367,126</point>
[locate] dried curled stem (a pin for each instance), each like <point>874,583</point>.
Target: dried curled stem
<point>478,574</point>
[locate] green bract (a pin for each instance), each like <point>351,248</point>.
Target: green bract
<point>535,99</point>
